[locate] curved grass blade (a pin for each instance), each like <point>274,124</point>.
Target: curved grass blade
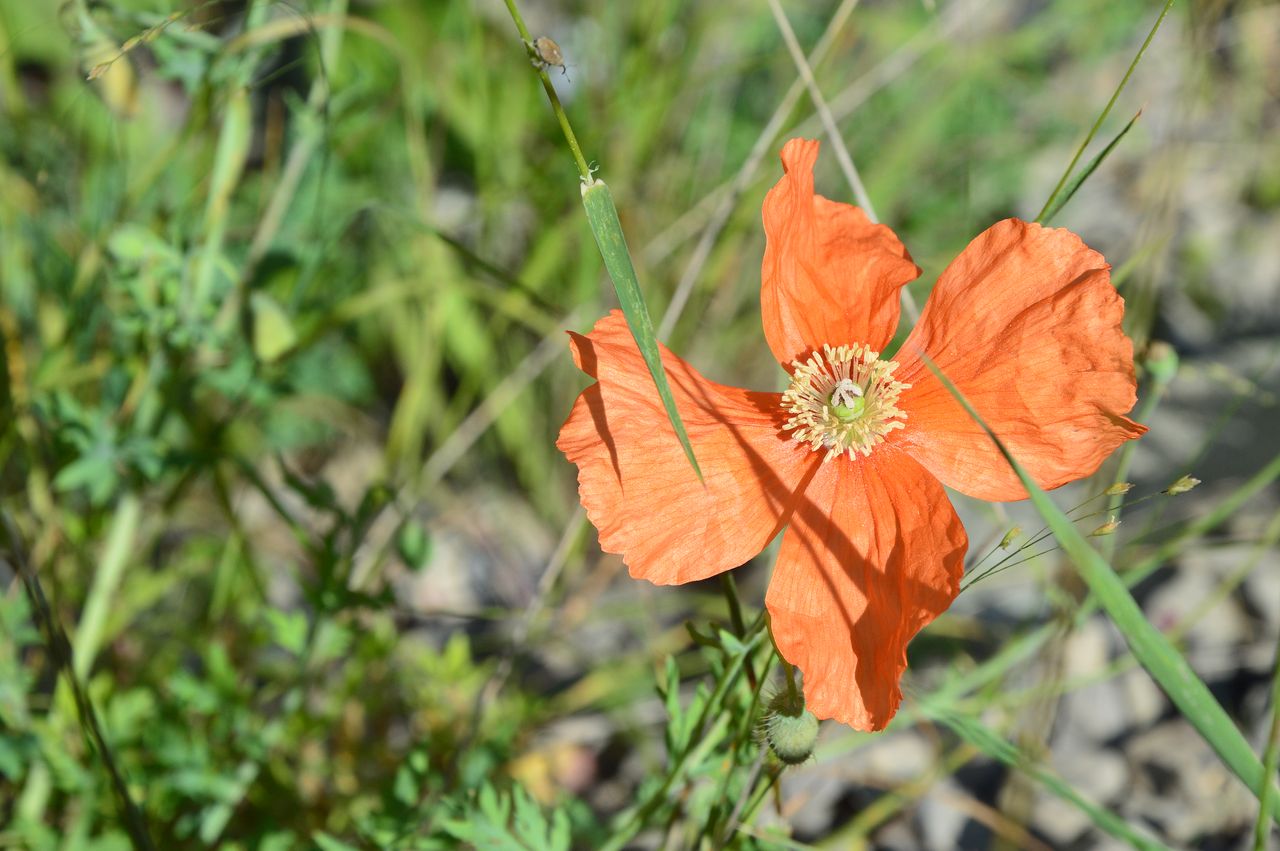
<point>1262,828</point>
<point>1059,200</point>
<point>996,747</point>
<point>603,216</point>
<point>1093,131</point>
<point>1168,667</point>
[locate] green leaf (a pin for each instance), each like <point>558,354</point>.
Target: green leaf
<point>273,333</point>
<point>603,217</point>
<point>96,473</point>
<point>132,243</point>
<point>414,545</point>
<point>289,630</point>
<point>1059,201</point>
<point>1187,691</point>
<point>325,842</point>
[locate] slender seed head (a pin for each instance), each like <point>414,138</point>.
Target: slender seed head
<point>1182,485</point>
<point>1107,528</point>
<point>843,400</point>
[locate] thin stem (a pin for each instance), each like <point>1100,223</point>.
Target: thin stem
<point>730,589</point>
<point>790,671</point>
<point>1097,125</point>
<point>1270,760</point>
<point>731,824</point>
<point>135,821</point>
<point>739,625</point>
<point>1152,398</point>
<point>583,169</point>
<point>748,813</point>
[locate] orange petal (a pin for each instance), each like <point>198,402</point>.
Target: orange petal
<point>636,483</point>
<point>830,276</point>
<point>1026,324</point>
<point>874,552</point>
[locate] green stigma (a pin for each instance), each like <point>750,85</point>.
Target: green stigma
<point>847,413</point>
<point>847,400</point>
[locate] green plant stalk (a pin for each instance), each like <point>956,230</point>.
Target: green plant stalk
<point>1050,211</point>
<point>583,169</point>
<point>308,139</point>
<point>1162,373</point>
<point>730,589</point>
<point>106,581</point>
<point>1023,647</point>
<point>641,815</point>
<point>1105,112</point>
<point>757,798</point>
<point>854,833</point>
<point>740,737</point>
<point>1187,691</point>
<point>996,747</point>
<point>1221,512</point>
<point>228,164</point>
<point>1270,760</point>
<point>132,816</point>
<point>602,215</point>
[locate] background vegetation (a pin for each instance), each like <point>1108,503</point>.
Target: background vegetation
<point>282,294</point>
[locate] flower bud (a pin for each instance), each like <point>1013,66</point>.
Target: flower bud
<point>790,729</point>
<point>1119,488</point>
<point>1010,537</point>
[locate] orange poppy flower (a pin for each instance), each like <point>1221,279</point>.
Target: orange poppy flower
<point>852,458</point>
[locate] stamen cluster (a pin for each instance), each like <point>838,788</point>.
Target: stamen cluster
<point>822,389</point>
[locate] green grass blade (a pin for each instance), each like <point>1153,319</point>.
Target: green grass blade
<point>1187,691</point>
<point>1059,200</point>
<point>1093,131</point>
<point>996,747</point>
<point>106,584</point>
<point>603,216</point>
<point>1262,829</point>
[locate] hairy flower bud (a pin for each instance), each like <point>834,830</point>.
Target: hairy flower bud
<point>790,729</point>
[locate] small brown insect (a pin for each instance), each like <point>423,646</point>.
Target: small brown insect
<point>545,53</point>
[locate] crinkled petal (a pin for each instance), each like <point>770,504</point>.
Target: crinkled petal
<point>1026,324</point>
<point>637,485</point>
<point>873,553</point>
<point>830,276</point>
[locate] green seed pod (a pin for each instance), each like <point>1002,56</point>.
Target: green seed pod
<point>790,729</point>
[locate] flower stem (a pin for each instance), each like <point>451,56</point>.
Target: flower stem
<point>735,606</point>
<point>739,625</point>
<point>583,169</point>
<point>790,671</point>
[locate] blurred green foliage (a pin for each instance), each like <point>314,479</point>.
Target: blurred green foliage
<point>266,280</point>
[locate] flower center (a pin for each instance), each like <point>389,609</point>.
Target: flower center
<point>843,400</point>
